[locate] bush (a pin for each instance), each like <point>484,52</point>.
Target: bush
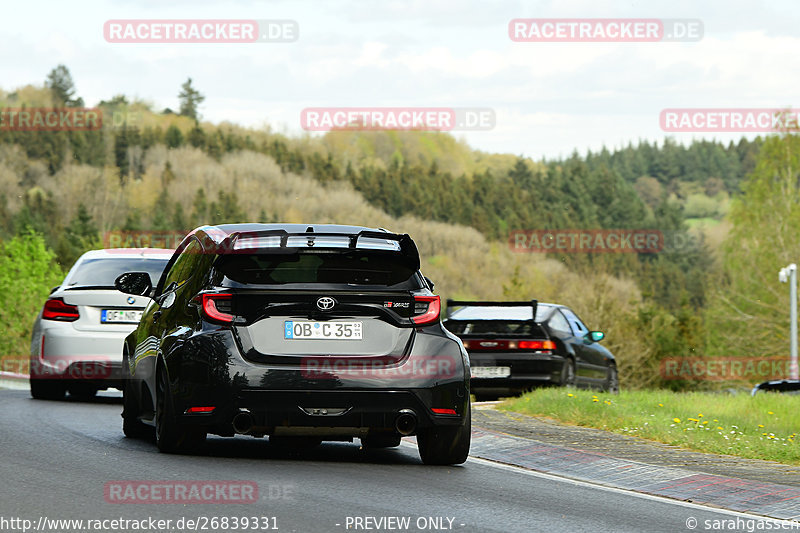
<point>27,272</point>
<point>701,206</point>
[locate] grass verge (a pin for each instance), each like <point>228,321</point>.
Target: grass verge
<point>760,427</point>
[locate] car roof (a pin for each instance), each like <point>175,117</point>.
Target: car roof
<point>127,253</point>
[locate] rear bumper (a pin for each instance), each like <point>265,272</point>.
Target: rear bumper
<point>62,340</point>
<point>527,371</point>
<point>59,351</point>
<point>325,413</point>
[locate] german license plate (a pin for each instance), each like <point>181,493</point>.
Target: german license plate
<point>490,371</point>
<point>309,329</point>
<point>115,316</point>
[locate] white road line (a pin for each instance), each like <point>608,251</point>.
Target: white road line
<point>651,497</point>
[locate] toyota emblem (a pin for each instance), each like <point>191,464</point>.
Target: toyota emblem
<point>326,303</point>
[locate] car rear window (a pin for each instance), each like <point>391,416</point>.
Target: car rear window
<point>101,271</point>
<point>355,267</point>
<point>494,328</point>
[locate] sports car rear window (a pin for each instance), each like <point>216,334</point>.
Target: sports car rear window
<point>338,267</point>
<point>494,328</point>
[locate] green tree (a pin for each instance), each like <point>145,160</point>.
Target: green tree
<point>179,219</point>
<point>197,137</point>
<point>60,83</point>
<point>78,237</point>
<point>167,175</point>
<point>161,218</point>
<point>190,98</point>
<point>173,137</point>
<point>200,208</point>
<point>132,221</point>
<point>121,144</point>
<point>227,210</point>
<point>749,310</point>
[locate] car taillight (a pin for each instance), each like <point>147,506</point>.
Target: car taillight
<point>537,345</point>
<point>203,409</point>
<point>216,307</point>
<point>426,310</point>
<point>444,411</point>
<point>56,309</point>
<point>501,345</point>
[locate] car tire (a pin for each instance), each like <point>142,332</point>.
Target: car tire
<point>171,436</point>
<point>446,445</point>
<point>47,389</point>
<point>132,427</point>
<point>611,385</point>
<point>390,440</point>
<point>568,374</point>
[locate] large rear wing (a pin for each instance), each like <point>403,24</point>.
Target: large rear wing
<point>483,303</point>
<point>248,242</point>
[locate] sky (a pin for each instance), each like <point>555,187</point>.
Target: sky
<point>548,99</point>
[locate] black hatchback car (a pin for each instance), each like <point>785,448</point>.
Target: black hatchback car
<point>302,333</point>
<point>516,346</point>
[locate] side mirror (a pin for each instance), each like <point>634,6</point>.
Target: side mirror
<point>595,336</point>
<point>137,283</point>
<point>429,282</point>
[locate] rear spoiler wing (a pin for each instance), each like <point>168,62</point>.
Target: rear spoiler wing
<point>229,244</point>
<point>461,303</point>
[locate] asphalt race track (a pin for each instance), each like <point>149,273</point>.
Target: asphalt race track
<point>60,456</point>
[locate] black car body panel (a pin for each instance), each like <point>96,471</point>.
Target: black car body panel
<point>784,386</point>
<point>334,335</point>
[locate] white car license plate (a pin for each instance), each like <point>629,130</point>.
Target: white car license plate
<point>115,316</point>
<point>490,371</point>
<point>307,329</point>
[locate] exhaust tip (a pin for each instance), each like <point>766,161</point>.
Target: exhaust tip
<point>243,423</point>
<point>406,422</point>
